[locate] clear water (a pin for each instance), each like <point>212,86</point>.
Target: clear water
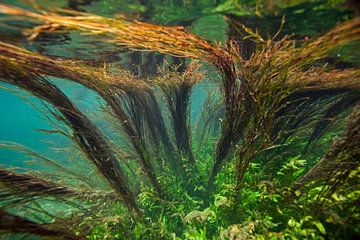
<point>23,116</point>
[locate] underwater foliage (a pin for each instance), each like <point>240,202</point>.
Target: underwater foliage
<point>258,163</point>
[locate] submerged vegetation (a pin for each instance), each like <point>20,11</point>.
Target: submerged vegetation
<point>274,152</point>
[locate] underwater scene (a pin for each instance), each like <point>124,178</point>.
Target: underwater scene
<point>179,119</point>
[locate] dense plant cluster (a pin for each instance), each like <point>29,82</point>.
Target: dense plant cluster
<point>273,153</point>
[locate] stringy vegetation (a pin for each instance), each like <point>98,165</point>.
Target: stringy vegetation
<point>254,166</point>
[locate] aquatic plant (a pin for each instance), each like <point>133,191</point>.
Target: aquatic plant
<point>251,187</point>
<point>16,224</point>
<point>85,134</point>
<point>338,162</point>
<point>113,90</point>
<point>259,87</point>
<point>209,119</point>
<point>177,89</point>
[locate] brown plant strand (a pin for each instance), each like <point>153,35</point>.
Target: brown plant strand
<point>255,89</point>
<point>174,41</point>
<point>345,102</point>
<point>27,185</point>
<point>94,78</point>
<point>209,118</point>
<point>16,224</point>
<point>86,135</point>
<point>320,78</point>
<point>132,123</point>
<point>122,89</point>
<point>341,158</point>
<point>274,60</point>
<point>177,88</point>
